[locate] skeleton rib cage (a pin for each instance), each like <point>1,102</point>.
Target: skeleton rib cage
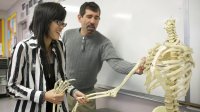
<point>169,65</point>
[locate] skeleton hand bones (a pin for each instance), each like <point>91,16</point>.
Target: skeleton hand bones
<point>59,87</point>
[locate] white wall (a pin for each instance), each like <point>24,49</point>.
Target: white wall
<point>194,21</point>
<point>134,26</point>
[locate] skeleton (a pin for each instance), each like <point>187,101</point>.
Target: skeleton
<point>112,92</point>
<point>169,65</point>
<point>60,86</point>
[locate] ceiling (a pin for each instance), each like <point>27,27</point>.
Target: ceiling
<point>7,4</point>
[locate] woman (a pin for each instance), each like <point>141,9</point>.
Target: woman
<point>38,62</point>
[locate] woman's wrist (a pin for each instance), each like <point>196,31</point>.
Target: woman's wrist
<point>42,97</point>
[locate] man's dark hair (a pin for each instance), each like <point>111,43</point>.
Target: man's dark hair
<point>89,5</point>
<point>44,14</point>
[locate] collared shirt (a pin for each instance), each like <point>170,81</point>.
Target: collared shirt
<point>26,79</point>
<point>85,57</point>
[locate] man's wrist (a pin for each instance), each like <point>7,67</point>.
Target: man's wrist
<point>72,91</point>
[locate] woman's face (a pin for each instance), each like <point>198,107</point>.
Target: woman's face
<point>55,29</point>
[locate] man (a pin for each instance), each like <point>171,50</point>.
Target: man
<point>86,50</point>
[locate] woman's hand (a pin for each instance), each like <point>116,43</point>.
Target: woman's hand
<point>53,97</point>
<point>80,97</point>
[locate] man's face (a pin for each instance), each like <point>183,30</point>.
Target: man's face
<point>89,22</point>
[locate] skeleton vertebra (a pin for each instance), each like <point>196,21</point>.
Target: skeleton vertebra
<point>169,65</point>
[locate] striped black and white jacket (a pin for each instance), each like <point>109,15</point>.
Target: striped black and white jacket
<point>26,80</point>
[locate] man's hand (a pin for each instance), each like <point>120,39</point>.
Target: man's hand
<point>80,97</point>
<point>141,67</point>
<point>53,97</point>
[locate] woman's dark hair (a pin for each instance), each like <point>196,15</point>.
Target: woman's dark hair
<point>44,14</point>
<point>89,5</point>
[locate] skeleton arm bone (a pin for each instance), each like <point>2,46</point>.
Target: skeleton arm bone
<point>112,92</point>
<point>93,96</point>
<point>98,95</point>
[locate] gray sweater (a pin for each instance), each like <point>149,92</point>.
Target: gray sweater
<point>84,58</point>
